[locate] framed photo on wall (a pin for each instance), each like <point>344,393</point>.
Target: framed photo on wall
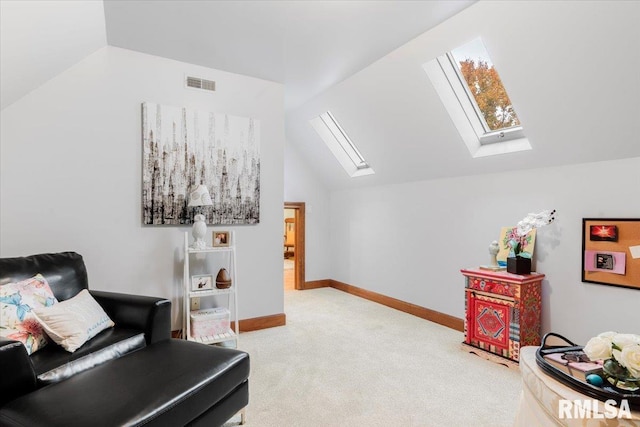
<point>611,251</point>
<point>220,238</point>
<point>202,282</point>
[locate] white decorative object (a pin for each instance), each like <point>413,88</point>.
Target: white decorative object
<point>494,248</point>
<point>199,197</point>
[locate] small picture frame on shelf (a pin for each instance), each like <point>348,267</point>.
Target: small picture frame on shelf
<point>220,238</point>
<point>202,282</point>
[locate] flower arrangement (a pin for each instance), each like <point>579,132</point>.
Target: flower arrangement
<point>621,356</point>
<point>518,238</point>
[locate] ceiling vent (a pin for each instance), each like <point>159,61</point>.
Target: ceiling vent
<point>198,83</point>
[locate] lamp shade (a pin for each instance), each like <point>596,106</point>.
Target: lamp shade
<point>200,197</point>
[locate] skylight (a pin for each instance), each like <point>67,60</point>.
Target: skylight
<point>341,145</point>
<point>470,88</point>
<point>484,85</point>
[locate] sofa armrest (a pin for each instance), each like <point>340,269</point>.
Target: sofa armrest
<point>149,314</point>
<point>18,376</point>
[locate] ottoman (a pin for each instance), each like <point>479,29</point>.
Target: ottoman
<point>541,395</point>
<point>169,383</point>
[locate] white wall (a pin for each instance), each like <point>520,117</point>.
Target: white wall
<point>409,241</point>
<point>302,185</point>
<point>71,178</point>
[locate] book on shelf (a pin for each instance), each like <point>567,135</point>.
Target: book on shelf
<point>579,370</point>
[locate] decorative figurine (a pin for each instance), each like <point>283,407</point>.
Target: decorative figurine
<point>494,248</point>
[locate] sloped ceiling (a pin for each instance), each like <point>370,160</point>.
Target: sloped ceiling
<point>40,39</point>
<point>570,68</point>
<point>307,45</point>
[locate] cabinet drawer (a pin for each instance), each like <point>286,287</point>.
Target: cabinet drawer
<point>494,287</point>
<point>488,296</point>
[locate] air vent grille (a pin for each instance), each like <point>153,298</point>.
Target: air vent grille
<point>199,83</point>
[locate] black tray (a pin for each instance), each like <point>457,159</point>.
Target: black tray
<point>601,393</point>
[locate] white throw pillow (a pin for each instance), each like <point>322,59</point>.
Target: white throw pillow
<point>73,322</point>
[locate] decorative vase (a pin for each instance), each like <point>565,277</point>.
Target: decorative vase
<point>619,377</point>
<point>223,281</point>
<point>519,265</point>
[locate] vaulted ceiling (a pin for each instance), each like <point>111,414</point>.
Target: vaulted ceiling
<point>307,45</point>
<point>570,68</point>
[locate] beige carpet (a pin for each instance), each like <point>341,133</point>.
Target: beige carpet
<point>345,361</point>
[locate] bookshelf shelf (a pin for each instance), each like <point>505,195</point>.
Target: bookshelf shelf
<point>213,339</point>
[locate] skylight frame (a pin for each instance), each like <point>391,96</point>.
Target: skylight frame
<point>460,103</point>
<point>472,110</point>
<point>341,146</point>
<point>463,93</point>
<point>343,139</point>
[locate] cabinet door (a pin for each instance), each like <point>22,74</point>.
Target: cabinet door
<point>489,320</point>
<point>530,322</point>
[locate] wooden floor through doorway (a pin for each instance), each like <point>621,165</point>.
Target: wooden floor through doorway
<point>289,275</point>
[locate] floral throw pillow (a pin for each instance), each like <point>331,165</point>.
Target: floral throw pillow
<point>17,301</point>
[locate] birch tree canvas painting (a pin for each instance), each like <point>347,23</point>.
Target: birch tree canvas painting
<point>183,148</point>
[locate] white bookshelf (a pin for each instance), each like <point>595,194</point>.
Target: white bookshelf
<point>228,253</point>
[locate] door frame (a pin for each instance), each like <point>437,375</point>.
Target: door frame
<point>300,216</point>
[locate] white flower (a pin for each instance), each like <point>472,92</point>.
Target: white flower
<point>623,340</point>
<point>535,220</point>
<point>630,359</point>
<point>523,228</point>
<point>598,348</point>
<point>608,335</point>
<point>616,354</point>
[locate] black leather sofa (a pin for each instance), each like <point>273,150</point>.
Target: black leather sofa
<point>130,375</point>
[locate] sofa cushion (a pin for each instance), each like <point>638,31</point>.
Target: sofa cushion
<point>54,364</point>
<point>73,322</point>
<point>65,272</point>
<point>169,383</point>
<point>17,302</point>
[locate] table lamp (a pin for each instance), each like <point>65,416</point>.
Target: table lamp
<point>199,197</point>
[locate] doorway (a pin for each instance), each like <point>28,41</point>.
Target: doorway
<point>293,246</point>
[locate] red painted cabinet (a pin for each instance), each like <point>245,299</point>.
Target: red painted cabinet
<point>502,311</point>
